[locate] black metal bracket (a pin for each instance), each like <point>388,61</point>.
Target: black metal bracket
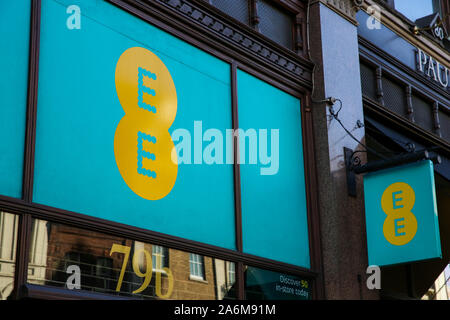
<point>353,164</point>
<point>349,164</point>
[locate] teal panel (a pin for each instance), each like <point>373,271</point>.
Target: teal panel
<point>389,238</point>
<point>274,212</point>
<point>14,32</point>
<point>79,111</point>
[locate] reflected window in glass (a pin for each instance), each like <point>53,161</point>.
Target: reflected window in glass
<point>8,245</point>
<point>159,257</point>
<point>196,266</point>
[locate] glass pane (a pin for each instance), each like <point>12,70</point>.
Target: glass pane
<point>196,265</point>
<point>158,257</point>
<point>14,53</point>
<point>273,188</point>
<point>275,23</point>
<point>415,9</point>
<point>238,9</point>
<point>267,285</point>
<point>102,171</point>
<point>231,272</point>
<point>8,242</point>
<point>72,258</point>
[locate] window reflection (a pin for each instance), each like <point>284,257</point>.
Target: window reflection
<point>8,241</point>
<point>231,273</point>
<point>196,266</point>
<point>113,265</point>
<point>440,290</point>
<point>159,257</point>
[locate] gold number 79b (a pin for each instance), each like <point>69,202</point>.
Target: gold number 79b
<point>147,275</point>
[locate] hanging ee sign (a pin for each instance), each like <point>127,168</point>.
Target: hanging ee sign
<point>401,214</point>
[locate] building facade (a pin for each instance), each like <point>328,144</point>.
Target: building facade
<point>406,108</point>
<point>194,149</point>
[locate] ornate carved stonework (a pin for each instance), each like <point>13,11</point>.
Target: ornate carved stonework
<point>239,36</point>
<point>346,8</point>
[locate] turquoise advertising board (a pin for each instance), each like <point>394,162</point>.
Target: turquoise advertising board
<point>274,217</point>
<point>15,35</point>
<point>401,215</point>
<point>134,126</point>
<point>83,115</point>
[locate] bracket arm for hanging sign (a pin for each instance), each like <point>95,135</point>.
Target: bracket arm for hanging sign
<point>354,167</point>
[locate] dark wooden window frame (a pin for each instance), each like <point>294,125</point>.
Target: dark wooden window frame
<point>295,8</point>
<point>28,210</point>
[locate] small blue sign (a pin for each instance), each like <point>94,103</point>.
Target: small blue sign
<point>401,215</point>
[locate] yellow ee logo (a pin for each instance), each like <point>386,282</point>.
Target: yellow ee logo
<point>397,201</point>
<point>143,146</point>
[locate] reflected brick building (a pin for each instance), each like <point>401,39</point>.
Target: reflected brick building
<point>62,246</point>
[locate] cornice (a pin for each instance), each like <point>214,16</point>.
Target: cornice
<point>402,29</point>
<point>232,35</point>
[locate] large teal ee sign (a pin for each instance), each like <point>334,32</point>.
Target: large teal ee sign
<point>401,215</point>
<point>133,126</point>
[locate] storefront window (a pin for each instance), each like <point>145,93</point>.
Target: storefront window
<point>15,26</point>
<point>278,185</point>
<point>76,259</point>
<point>108,36</point>
<point>8,242</point>
<point>268,285</point>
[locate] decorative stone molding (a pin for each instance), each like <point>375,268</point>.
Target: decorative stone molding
<point>345,8</point>
<point>236,35</point>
